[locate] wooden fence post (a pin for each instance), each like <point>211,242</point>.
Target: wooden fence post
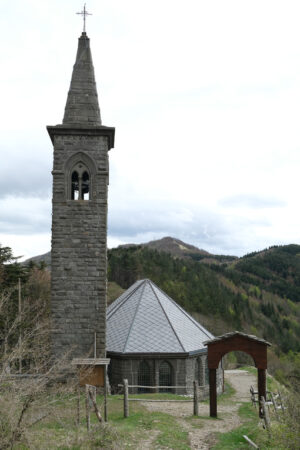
<point>250,442</point>
<point>275,406</point>
<point>92,393</point>
<point>196,399</point>
<point>78,406</point>
<point>20,332</point>
<point>94,390</point>
<point>105,393</point>
<point>266,416</point>
<point>280,400</point>
<point>87,407</point>
<point>126,404</point>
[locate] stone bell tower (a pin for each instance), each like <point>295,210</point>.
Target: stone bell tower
<point>79,217</point>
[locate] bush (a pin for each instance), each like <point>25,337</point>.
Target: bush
<point>287,433</point>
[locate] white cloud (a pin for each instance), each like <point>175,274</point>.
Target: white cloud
<point>25,216</point>
<point>205,99</point>
<point>24,247</point>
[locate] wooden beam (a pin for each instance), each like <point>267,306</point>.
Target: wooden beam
<point>213,392</point>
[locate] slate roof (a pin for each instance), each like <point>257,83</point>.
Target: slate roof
<point>236,333</point>
<point>146,320</point>
<point>82,107</point>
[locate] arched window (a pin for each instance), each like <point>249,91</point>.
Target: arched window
<point>75,185</point>
<point>144,376</point>
<point>80,182</point>
<point>85,186</point>
<point>165,376</point>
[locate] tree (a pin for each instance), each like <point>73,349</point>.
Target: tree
<point>18,395</point>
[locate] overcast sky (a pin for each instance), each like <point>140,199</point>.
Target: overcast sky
<point>205,98</point>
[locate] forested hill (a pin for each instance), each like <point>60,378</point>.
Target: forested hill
<point>258,293</point>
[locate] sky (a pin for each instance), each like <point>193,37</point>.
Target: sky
<point>205,98</point>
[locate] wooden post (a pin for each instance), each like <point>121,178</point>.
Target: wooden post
<point>265,415</point>
<point>78,406</point>
<point>94,390</point>
<point>87,407</point>
<point>223,377</point>
<point>280,400</point>
<point>261,381</point>
<point>126,403</point>
<point>250,442</point>
<point>20,332</point>
<point>95,345</point>
<point>213,392</point>
<point>253,398</point>
<point>105,393</point>
<point>274,405</point>
<point>196,399</point>
<point>92,395</point>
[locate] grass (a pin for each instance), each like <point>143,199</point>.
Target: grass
<point>227,394</point>
<point>272,384</point>
<point>234,439</point>
<point>59,429</point>
<point>170,434</point>
<point>250,423</point>
<point>158,396</point>
<point>251,428</point>
<point>141,421</point>
<point>249,369</point>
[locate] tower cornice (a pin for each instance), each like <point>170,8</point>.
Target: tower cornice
<point>69,130</point>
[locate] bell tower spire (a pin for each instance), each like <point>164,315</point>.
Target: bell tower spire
<point>82,107</point>
<point>79,217</point>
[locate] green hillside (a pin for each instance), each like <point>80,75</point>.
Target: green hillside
<point>276,270</point>
<point>259,293</point>
<point>194,286</point>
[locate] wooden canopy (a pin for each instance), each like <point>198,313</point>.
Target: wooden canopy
<point>235,341</point>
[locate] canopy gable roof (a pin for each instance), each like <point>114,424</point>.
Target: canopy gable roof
<point>237,341</point>
<point>233,334</point>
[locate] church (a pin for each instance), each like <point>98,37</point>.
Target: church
<point>152,341</point>
<point>148,337</point>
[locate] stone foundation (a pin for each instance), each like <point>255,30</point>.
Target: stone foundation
<point>184,371</point>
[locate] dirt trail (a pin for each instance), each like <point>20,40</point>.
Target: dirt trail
<point>202,432</point>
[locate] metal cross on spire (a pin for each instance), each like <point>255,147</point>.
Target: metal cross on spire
<point>84,13</point>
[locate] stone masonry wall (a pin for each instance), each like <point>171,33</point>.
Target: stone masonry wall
<point>185,371</point>
<point>79,260</point>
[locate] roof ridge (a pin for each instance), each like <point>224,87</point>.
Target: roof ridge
<point>115,308</point>
<point>235,333</point>
<point>151,282</point>
<point>135,313</point>
<point>184,312</point>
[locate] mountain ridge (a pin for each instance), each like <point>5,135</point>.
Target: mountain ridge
<point>168,244</point>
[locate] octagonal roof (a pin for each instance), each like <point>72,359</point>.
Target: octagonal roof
<point>146,320</point>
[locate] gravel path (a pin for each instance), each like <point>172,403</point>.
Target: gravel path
<point>202,431</point>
